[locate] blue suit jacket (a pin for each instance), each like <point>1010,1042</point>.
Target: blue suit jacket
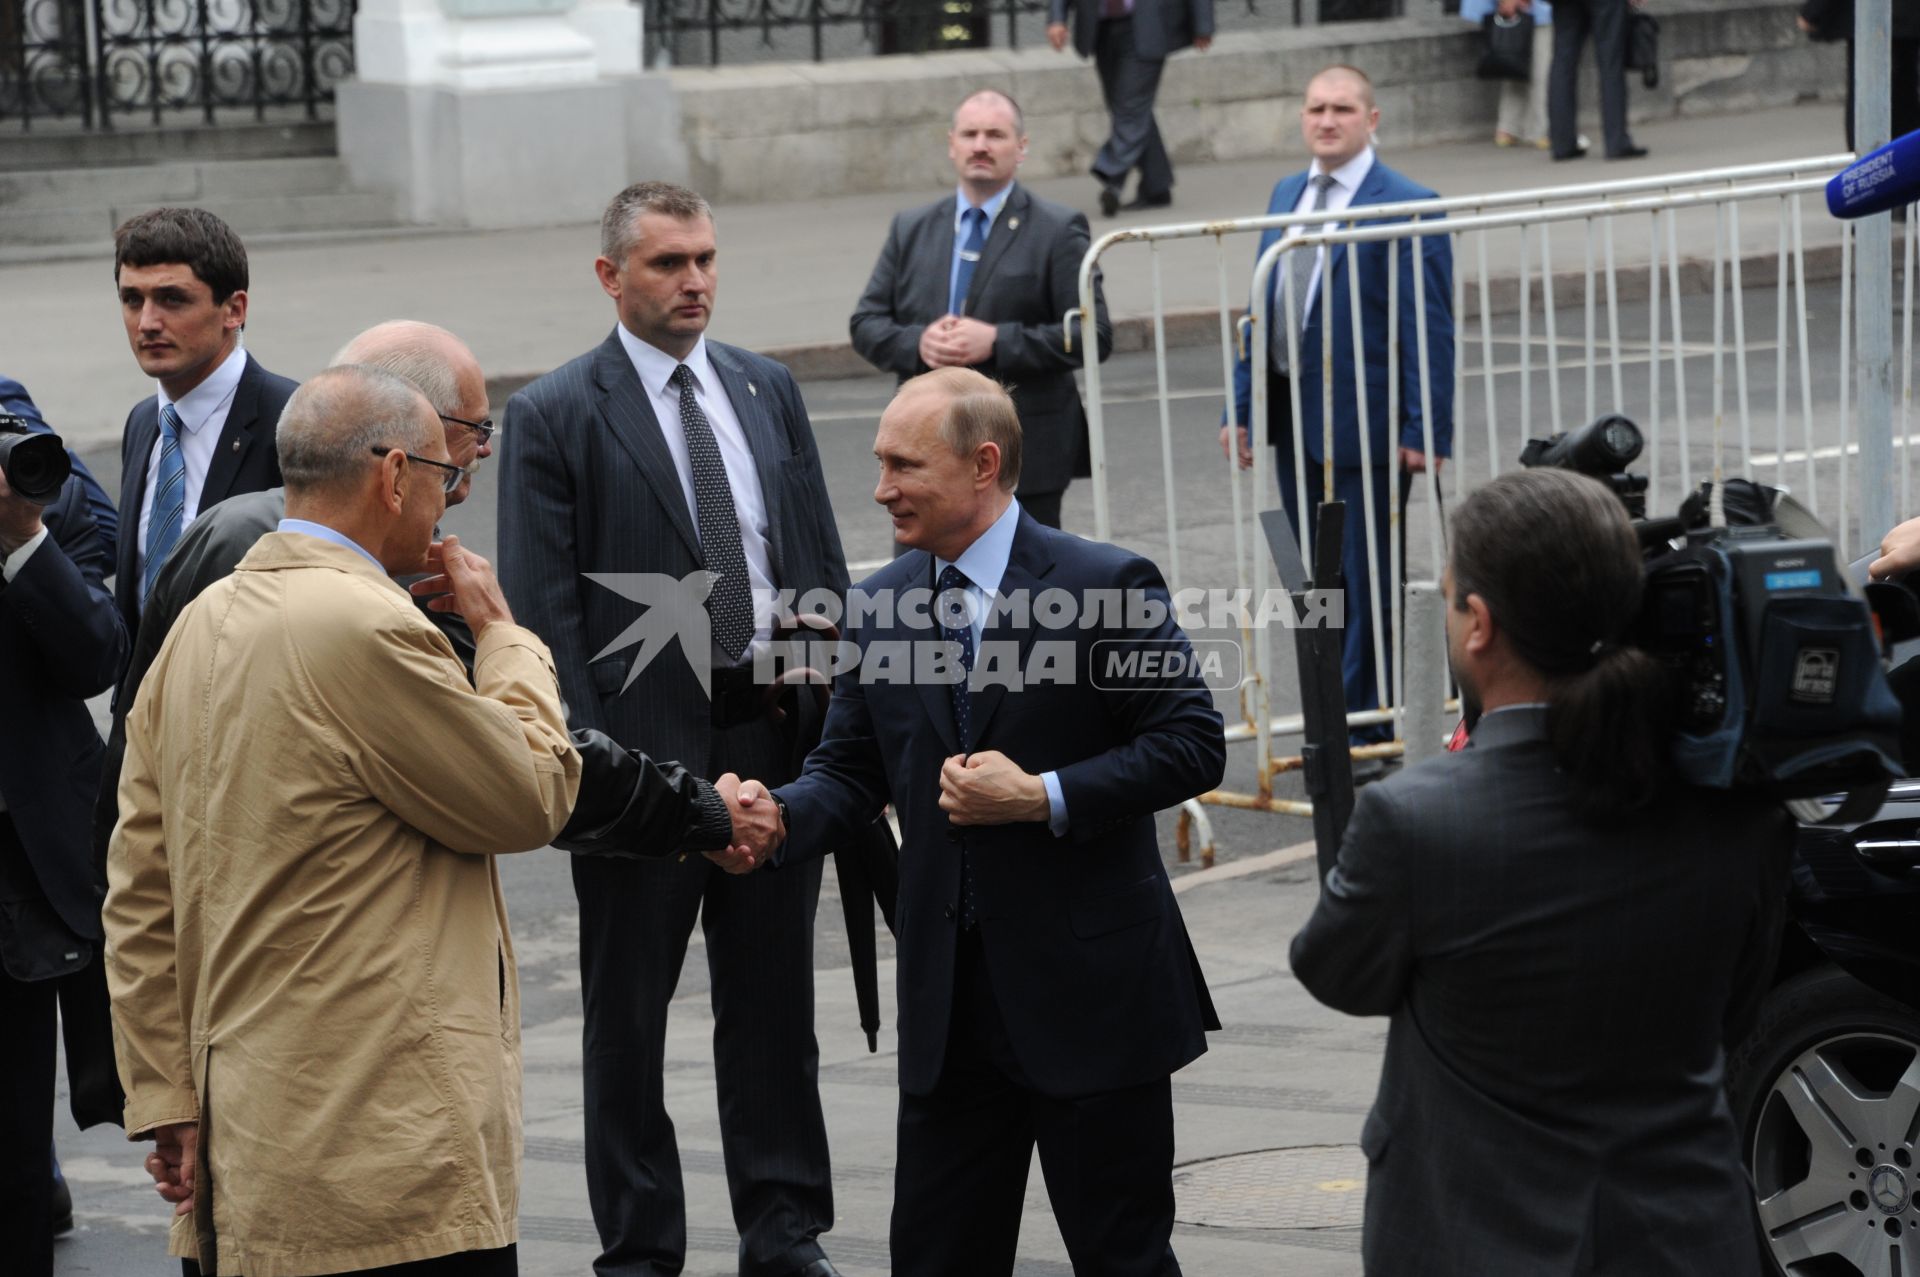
<point>1381,186</point>
<point>1089,959</point>
<point>61,641</point>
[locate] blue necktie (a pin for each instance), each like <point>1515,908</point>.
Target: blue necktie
<point>952,606</point>
<point>169,499</point>
<point>976,220</point>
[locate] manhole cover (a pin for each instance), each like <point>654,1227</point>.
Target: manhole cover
<point>1319,1187</point>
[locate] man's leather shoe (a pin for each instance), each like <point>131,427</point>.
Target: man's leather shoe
<point>1578,152</point>
<point>1631,153</point>
<point>821,1267</point>
<point>1109,205</point>
<point>1145,202</point>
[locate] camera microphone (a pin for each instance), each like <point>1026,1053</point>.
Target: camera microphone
<point>1886,179</point>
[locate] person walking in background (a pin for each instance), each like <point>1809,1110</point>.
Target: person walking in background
<point>1129,42</point>
<point>1522,120</point>
<point>1606,22</point>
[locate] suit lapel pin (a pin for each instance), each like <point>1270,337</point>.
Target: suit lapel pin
<point>753,390</point>
<point>236,445</point>
<point>1013,223</point>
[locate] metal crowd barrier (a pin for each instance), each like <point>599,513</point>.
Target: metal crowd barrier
<point>1525,216</point>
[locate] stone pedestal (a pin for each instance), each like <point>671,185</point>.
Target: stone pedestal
<point>500,113</point>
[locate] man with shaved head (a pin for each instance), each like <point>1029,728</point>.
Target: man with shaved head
<point>1309,301</point>
<point>315,1007</point>
<point>980,280</point>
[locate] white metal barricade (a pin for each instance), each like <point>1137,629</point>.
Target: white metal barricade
<point>1530,217</point>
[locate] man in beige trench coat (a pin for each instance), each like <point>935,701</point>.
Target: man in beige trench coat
<point>315,1005</point>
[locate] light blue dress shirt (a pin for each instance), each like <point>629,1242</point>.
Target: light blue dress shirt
<point>984,564</point>
<point>325,533</point>
<point>960,206</point>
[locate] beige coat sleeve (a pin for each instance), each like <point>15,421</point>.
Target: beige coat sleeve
<point>486,767</point>
<point>150,1038</point>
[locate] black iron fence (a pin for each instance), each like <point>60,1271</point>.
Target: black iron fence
<point>714,32</point>
<point>161,61</point>
<point>710,32</point>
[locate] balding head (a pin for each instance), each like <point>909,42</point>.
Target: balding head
<point>441,367</point>
<point>362,452</point>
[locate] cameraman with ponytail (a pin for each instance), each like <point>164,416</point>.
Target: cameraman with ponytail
<point>1566,937</point>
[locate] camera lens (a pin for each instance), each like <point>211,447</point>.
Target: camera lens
<point>35,465</point>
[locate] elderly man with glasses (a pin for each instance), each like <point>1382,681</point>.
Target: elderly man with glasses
<point>296,853</point>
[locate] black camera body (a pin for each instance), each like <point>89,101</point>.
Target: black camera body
<point>34,461</point>
<point>1778,670</point>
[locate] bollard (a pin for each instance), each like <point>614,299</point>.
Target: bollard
<point>1425,726</point>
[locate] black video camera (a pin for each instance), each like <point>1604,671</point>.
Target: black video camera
<point>34,461</point>
<point>1778,669</point>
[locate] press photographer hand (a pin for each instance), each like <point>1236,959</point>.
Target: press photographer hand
<point>19,519</point>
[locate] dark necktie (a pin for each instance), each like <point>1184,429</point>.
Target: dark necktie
<point>169,499</point>
<point>976,222</point>
<point>1300,271</point>
<point>956,626</point>
<point>730,604</point>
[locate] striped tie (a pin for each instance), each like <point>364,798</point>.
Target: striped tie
<point>169,499</point>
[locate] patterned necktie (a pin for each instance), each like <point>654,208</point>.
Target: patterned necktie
<point>1300,271</point>
<point>169,499</point>
<point>951,605</point>
<point>976,221</point>
<point>730,604</point>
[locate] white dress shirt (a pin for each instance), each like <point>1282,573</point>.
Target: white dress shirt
<point>203,415</point>
<point>1346,181</point>
<point>984,564</point>
<point>655,369</point>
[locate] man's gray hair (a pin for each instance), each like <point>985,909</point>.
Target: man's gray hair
<point>336,419</point>
<point>420,353</point>
<point>618,234</point>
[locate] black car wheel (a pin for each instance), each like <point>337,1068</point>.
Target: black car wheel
<point>1827,1092</point>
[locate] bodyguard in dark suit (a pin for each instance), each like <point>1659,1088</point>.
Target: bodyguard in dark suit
<point>60,642</point>
<point>1566,941</point>
<point>1130,41</point>
<point>1337,121</point>
<point>1048,990</point>
<point>655,457</point>
<point>207,434</point>
<point>981,280</point>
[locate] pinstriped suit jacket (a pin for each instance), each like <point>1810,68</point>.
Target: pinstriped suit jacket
<point>587,485</point>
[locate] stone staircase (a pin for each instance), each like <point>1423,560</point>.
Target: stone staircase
<point>67,191</point>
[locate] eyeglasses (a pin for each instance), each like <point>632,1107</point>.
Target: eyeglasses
<point>447,485</point>
<point>484,429</point>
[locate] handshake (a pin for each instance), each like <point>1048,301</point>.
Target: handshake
<point>986,788</point>
<point>757,827</point>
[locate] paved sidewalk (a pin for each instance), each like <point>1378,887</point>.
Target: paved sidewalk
<point>527,300</point>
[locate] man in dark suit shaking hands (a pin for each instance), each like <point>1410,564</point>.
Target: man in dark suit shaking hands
<point>207,433</point>
<point>980,280</point>
<point>1566,938</point>
<point>1048,990</point>
<point>1129,42</point>
<point>656,457</point>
